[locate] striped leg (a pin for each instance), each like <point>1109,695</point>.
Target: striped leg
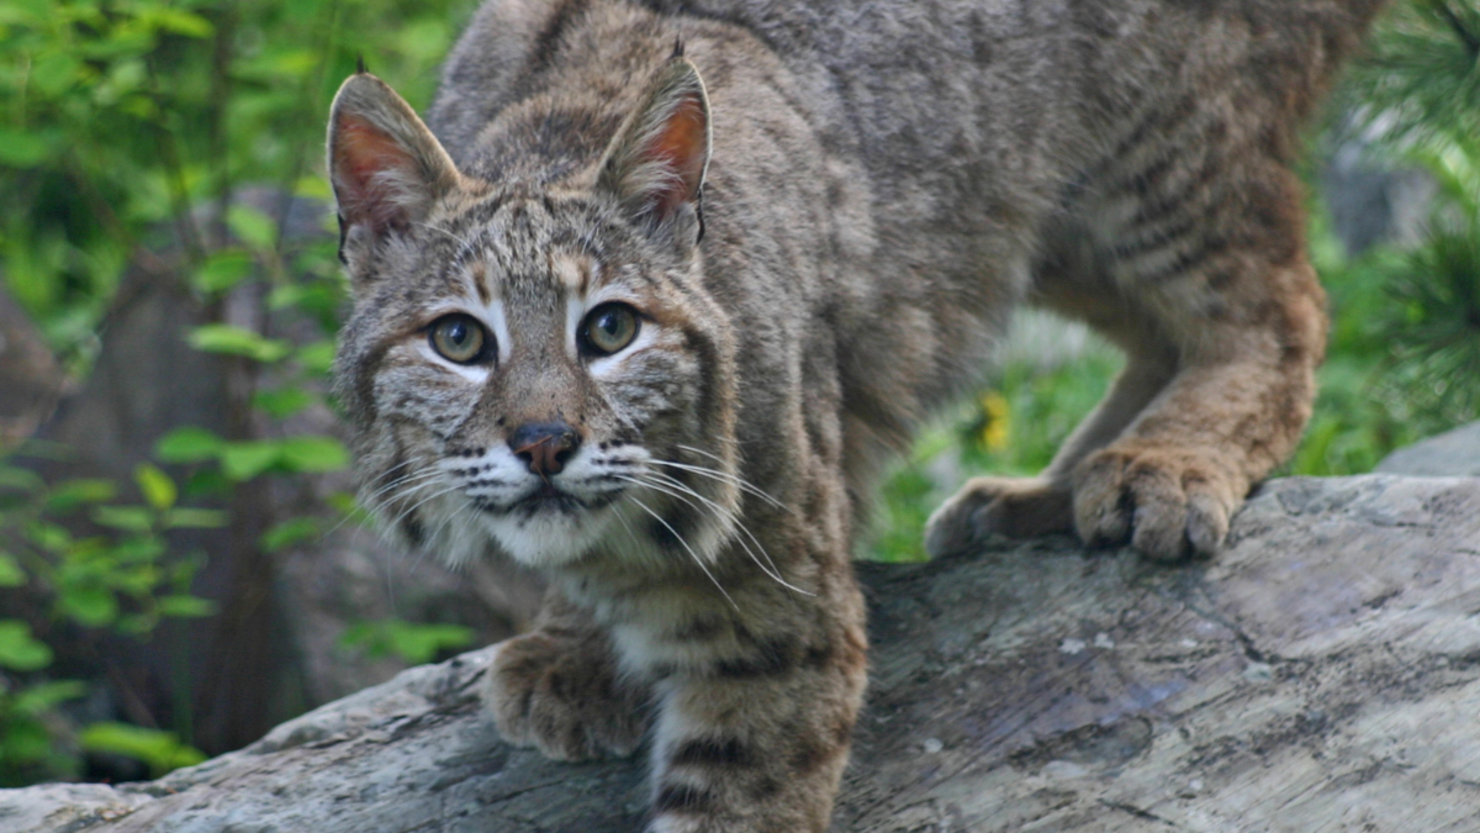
<point>755,752</point>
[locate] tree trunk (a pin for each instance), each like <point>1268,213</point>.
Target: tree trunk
<point>31,380</point>
<point>1323,673</point>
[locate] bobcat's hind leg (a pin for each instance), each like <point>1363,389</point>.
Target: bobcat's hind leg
<point>558,688</point>
<point>1030,506</point>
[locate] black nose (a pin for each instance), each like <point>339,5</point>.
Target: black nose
<point>545,446</point>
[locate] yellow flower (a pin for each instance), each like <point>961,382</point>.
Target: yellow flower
<point>995,421</point>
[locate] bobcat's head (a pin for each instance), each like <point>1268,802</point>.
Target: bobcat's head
<point>530,367</point>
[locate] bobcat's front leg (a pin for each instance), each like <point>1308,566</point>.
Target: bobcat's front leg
<point>558,688</point>
<point>1170,484</point>
<point>754,739</point>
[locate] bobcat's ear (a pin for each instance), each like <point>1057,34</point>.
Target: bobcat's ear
<point>386,167</point>
<point>655,166</point>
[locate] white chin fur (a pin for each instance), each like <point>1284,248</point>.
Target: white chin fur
<point>549,539</point>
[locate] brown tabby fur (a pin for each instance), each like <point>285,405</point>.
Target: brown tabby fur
<point>884,182</point>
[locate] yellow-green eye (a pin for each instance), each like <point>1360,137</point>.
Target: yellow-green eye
<point>609,328</point>
<point>460,338</point>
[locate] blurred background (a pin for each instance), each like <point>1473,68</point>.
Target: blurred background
<point>182,563</point>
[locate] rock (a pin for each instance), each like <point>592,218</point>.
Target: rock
<point>1323,673</point>
<point>1451,454</point>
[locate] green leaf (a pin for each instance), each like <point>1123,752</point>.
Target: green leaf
<point>32,13</point>
<point>21,480</point>
<point>161,750</point>
<point>289,532</point>
<point>314,454</point>
<point>157,487</point>
<point>186,607</point>
<point>252,227</point>
<point>317,357</point>
<point>53,73</point>
<point>39,698</point>
<point>223,270</point>
<point>11,574</point>
<point>18,650</point>
<point>188,445</point>
<point>235,341</point>
<point>49,537</point>
<point>419,643</point>
<point>345,503</point>
<point>245,460</point>
<point>285,295</point>
<point>283,402</point>
<point>413,642</point>
<point>127,518</point>
<point>135,550</point>
<point>315,187</point>
<point>184,518</point>
<point>208,483</point>
<point>177,21</point>
<point>70,494</point>
<point>25,150</point>
<point>136,624</point>
<point>89,606</point>
<point>26,740</point>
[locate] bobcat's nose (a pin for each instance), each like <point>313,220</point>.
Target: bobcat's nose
<point>545,446</point>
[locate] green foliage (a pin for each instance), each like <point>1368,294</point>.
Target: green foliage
<point>128,129</point>
<point>19,651</point>
<point>247,459</point>
<point>412,642</point>
<point>1422,76</point>
<point>161,750</point>
<point>29,750</point>
<point>123,580</point>
<point>117,117</point>
<point>1421,99</point>
<point>1013,428</point>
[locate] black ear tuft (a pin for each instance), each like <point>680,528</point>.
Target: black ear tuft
<point>360,63</point>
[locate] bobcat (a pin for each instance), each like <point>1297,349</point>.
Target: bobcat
<point>657,288</point>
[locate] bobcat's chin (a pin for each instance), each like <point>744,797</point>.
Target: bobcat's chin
<point>545,532</point>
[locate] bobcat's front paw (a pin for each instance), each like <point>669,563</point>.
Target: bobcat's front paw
<point>564,697</point>
<point>1015,507</point>
<point>1167,502</point>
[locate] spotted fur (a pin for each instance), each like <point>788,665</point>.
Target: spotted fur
<point>820,215</point>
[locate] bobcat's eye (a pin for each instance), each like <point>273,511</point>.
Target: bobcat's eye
<point>609,328</point>
<point>460,338</point>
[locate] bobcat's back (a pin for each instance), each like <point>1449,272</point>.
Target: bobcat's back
<point>929,150</point>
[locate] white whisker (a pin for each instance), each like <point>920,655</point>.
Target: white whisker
<point>715,474</point>
<point>367,501</point>
<point>424,501</point>
<point>769,568</point>
<point>697,560</point>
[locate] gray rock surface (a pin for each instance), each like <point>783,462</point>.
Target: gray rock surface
<point>1322,674</point>
<point>1451,454</point>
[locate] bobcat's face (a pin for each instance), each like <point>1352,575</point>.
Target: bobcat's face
<point>536,370</point>
<point>537,378</point>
